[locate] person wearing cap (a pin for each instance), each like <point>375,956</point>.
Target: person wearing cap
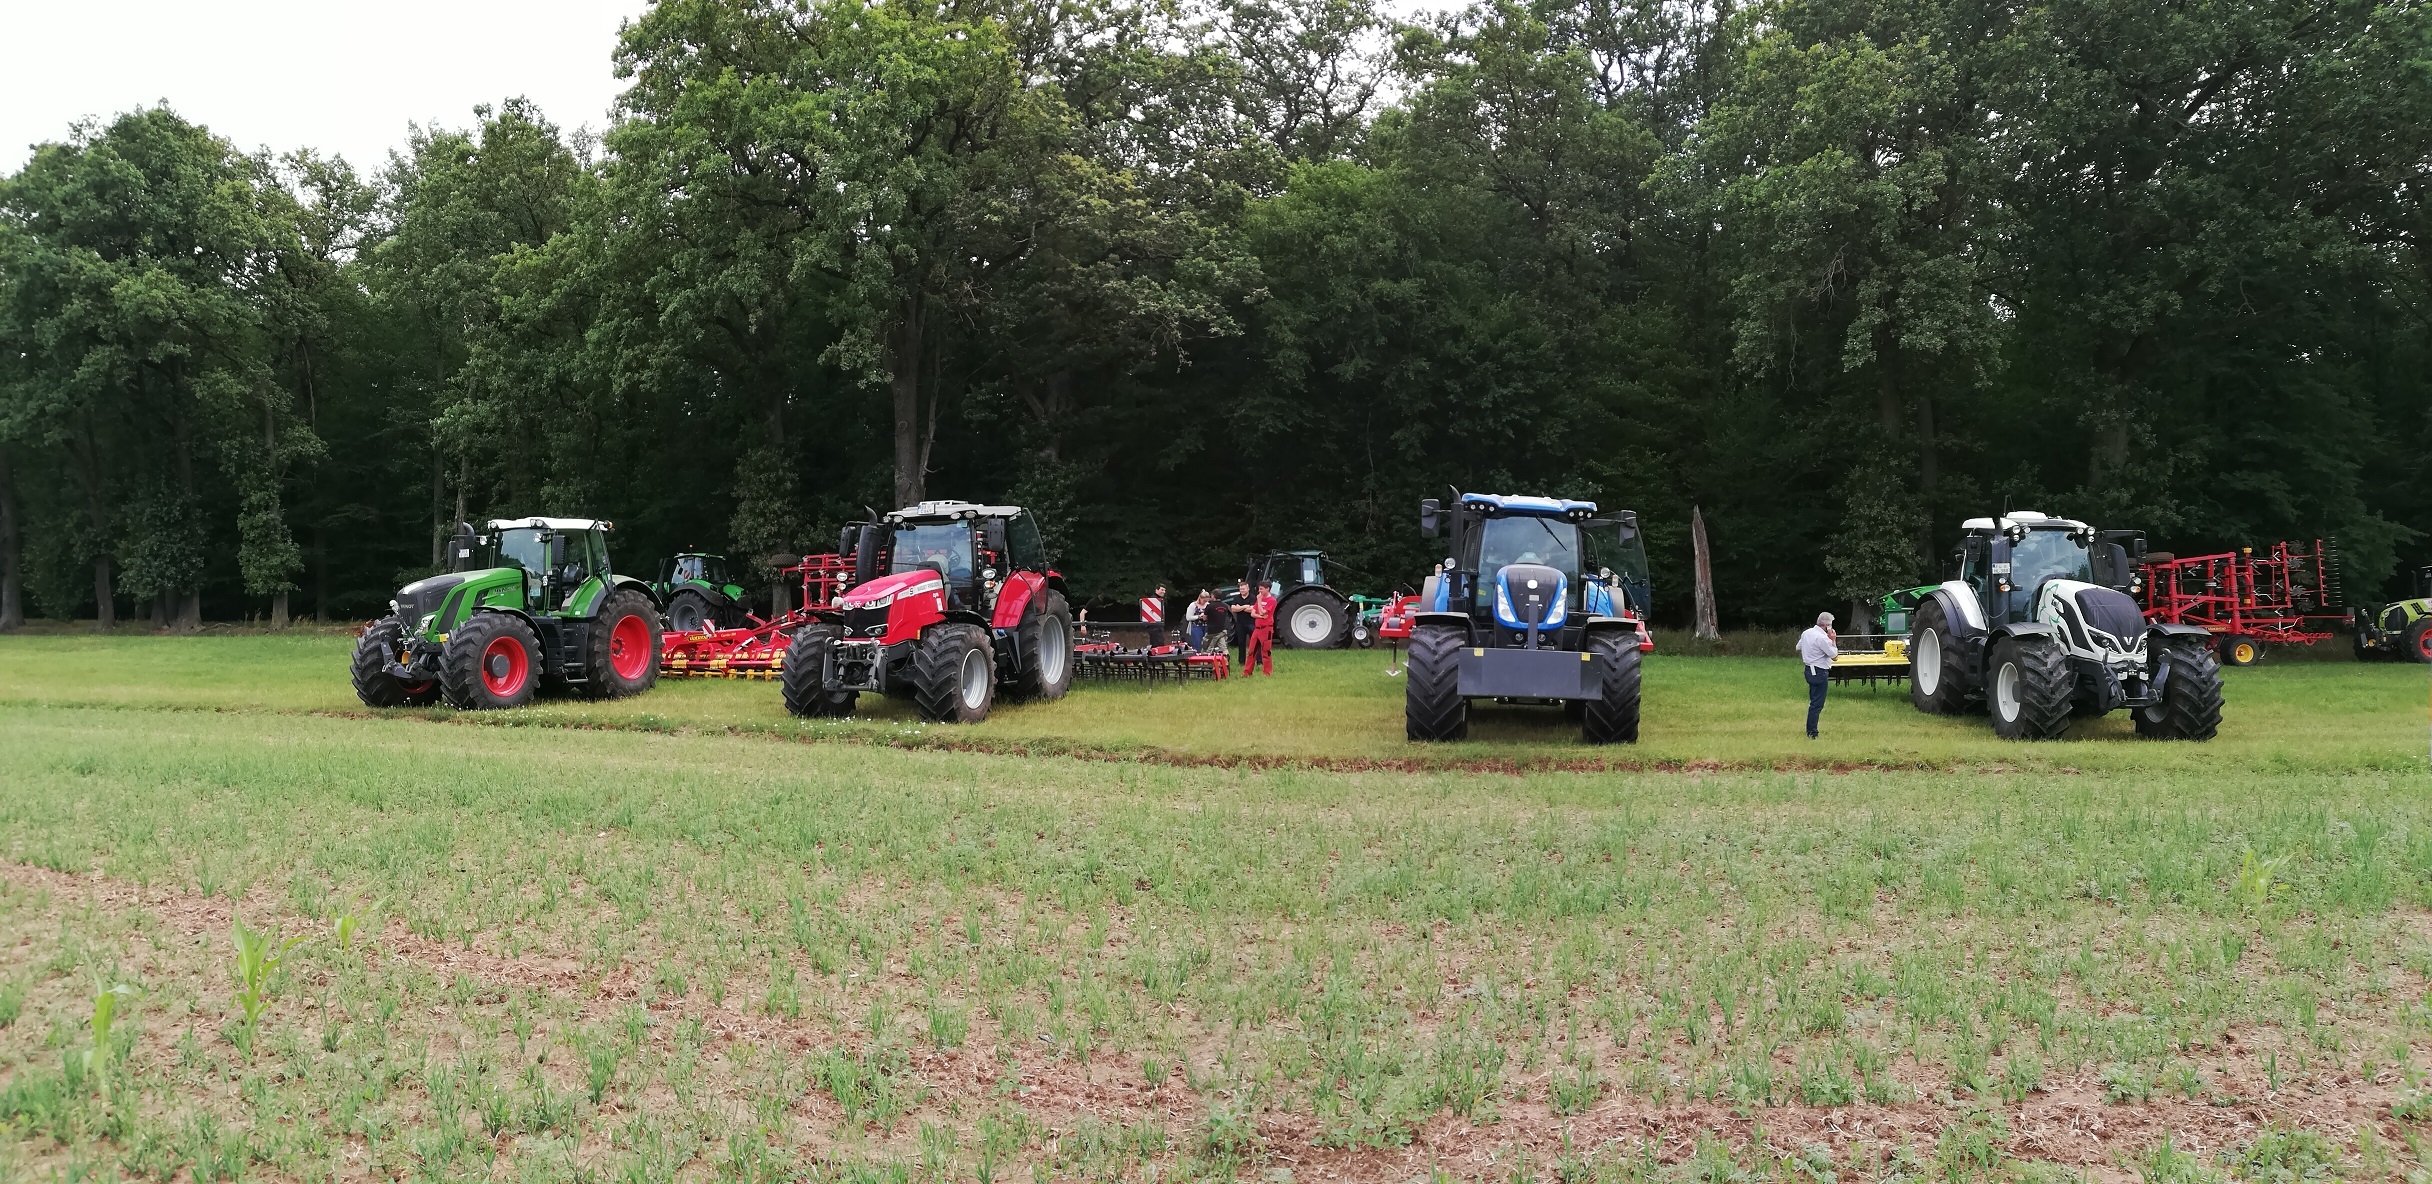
<point>1817,649</point>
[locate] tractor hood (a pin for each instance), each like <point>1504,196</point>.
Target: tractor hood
<point>2094,621</point>
<point>423,597</point>
<point>881,592</point>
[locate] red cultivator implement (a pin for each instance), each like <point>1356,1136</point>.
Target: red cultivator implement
<point>1100,659</point>
<point>756,650</point>
<point>2288,595</point>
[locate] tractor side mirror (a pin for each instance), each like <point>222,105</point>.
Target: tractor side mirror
<point>992,533</point>
<point>846,538</point>
<point>1430,518</point>
<point>865,554</point>
<point>1629,525</point>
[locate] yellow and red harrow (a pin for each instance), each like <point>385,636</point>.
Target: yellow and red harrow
<point>756,650</point>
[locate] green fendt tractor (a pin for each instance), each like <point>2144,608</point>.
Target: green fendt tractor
<point>700,594</point>
<point>2401,629</point>
<point>523,601</point>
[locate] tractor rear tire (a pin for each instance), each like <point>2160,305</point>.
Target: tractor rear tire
<point>1311,619</point>
<point>1937,668</point>
<point>690,612</point>
<point>2418,644</point>
<point>1432,706</point>
<point>381,644</point>
<point>1613,719</point>
<point>2027,689</point>
<point>1045,648</point>
<point>2240,651</point>
<point>954,674</point>
<point>624,647</point>
<point>804,682</point>
<point>491,661</point>
<point>2191,701</point>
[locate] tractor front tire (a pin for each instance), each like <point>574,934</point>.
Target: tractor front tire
<point>954,674</point>
<point>624,647</point>
<point>1613,719</point>
<point>2418,644</point>
<point>1311,620</point>
<point>1432,706</point>
<point>381,644</point>
<point>2027,689</point>
<point>690,612</point>
<point>1937,669</point>
<point>2191,701</point>
<point>806,672</point>
<point>1046,648</point>
<point>491,661</point>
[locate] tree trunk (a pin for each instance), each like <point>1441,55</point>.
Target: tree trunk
<point>1706,628</point>
<point>106,603</point>
<point>190,611</point>
<point>189,605</point>
<point>904,342</point>
<point>156,610</point>
<point>278,609</point>
<point>12,579</point>
<point>320,574</point>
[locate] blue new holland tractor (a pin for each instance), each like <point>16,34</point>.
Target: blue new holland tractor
<point>1538,601</point>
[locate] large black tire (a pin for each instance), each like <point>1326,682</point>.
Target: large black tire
<point>2027,687</point>
<point>1937,668</point>
<point>623,657</point>
<point>1046,648</point>
<point>2191,701</point>
<point>1432,706</point>
<point>381,644</point>
<point>2418,644</point>
<point>1614,718</point>
<point>954,674</point>
<point>490,661</point>
<point>690,612</point>
<point>1312,619</point>
<point>804,682</point>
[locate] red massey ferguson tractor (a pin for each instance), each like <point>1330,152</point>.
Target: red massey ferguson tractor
<point>948,602</point>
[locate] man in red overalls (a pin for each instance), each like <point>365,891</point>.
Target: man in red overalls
<point>1262,634</point>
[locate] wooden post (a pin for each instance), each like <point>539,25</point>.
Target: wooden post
<point>1706,629</point>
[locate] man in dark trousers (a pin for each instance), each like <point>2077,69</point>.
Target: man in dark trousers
<point>1817,649</point>
<point>1237,615</point>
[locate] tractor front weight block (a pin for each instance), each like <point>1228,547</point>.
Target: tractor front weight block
<point>1530,674</point>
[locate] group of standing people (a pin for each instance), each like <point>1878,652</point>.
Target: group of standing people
<point>1246,620</point>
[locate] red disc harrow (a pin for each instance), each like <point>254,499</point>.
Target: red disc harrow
<point>2285,595</point>
<point>756,650</point>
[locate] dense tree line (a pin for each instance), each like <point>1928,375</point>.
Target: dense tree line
<point>1198,279</point>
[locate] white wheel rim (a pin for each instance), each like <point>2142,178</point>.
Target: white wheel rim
<point>1311,624</point>
<point>1929,661</point>
<point>1053,650</point>
<point>975,678</point>
<point>2005,690</point>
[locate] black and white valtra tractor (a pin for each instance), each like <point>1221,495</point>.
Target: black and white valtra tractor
<point>2040,630</point>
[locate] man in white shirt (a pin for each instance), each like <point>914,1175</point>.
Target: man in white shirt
<point>1817,649</point>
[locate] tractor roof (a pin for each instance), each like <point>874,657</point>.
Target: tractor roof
<point>1524,504</point>
<point>549,524</point>
<point>949,511</point>
<point>2030,519</point>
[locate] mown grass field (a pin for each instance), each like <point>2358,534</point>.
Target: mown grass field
<point>663,939</point>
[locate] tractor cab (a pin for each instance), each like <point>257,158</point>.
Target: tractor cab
<point>971,549</point>
<point>1284,572</point>
<point>2006,562</point>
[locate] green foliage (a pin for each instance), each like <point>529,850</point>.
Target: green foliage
<point>259,954</point>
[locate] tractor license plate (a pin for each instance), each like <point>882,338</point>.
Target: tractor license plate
<point>1531,674</point>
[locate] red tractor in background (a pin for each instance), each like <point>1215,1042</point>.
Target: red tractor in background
<point>2287,595</point>
<point>947,602</point>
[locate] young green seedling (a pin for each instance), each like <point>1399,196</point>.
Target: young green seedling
<point>2255,880</point>
<point>105,1017</point>
<point>258,956</point>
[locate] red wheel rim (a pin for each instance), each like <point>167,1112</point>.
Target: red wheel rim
<point>629,648</point>
<point>518,666</point>
<point>2423,645</point>
<point>414,688</point>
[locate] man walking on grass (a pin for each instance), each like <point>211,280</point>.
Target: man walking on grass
<point>1817,649</point>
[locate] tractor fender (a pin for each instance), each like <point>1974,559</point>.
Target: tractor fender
<point>517,613</point>
<point>1458,620</point>
<point>1013,598</point>
<point>2024,629</point>
<point>2159,632</point>
<point>620,583</point>
<point>1643,641</point>
<point>1959,607</point>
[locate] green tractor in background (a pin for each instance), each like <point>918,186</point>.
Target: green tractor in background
<point>2401,629</point>
<point>700,593</point>
<point>523,601</point>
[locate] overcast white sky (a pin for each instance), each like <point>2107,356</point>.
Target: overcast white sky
<point>343,76</point>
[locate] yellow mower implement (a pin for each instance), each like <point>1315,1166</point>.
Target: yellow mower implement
<point>1889,664</point>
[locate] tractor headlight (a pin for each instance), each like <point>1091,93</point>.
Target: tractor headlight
<point>425,625</point>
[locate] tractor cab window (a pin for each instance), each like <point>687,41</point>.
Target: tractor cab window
<point>704,568</point>
<point>1517,539</point>
<point>1309,573</point>
<point>1619,546</point>
<point>943,547</point>
<point>2048,555</point>
<point>525,547</point>
<point>1029,552</point>
<point>1972,566</point>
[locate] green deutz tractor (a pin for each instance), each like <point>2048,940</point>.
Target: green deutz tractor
<point>523,601</point>
<point>700,593</point>
<point>2401,629</point>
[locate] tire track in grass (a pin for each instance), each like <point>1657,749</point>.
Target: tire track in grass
<point>2067,1121</point>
